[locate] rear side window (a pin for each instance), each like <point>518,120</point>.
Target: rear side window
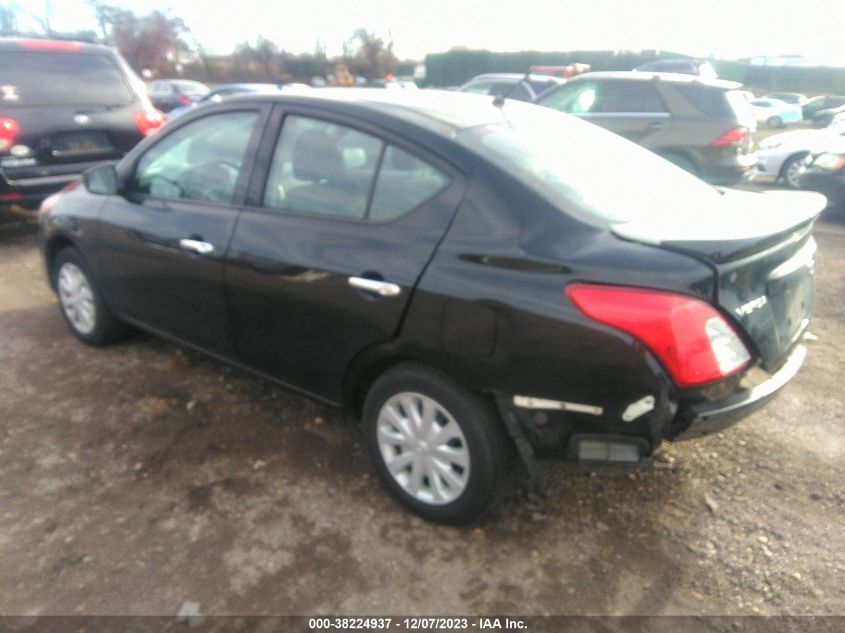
<point>404,183</point>
<point>200,161</point>
<point>322,168</point>
<point>53,78</point>
<point>630,96</point>
<point>711,101</point>
<point>326,169</point>
<point>605,97</point>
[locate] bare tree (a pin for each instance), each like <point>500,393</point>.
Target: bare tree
<point>374,57</point>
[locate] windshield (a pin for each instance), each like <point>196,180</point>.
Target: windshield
<point>581,168</point>
<point>47,78</point>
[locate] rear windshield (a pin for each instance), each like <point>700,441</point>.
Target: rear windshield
<point>54,78</point>
<point>584,169</point>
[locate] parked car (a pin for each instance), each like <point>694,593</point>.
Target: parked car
<point>564,72</point>
<point>64,106</point>
<point>792,98</point>
<point>784,156</point>
<point>221,92</point>
<point>515,85</point>
<point>701,125</point>
<point>167,94</point>
<point>775,114</point>
<point>824,118</point>
<point>815,104</point>
<point>826,174</point>
<point>684,66</point>
<point>456,274</point>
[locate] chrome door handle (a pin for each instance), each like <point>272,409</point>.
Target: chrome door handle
<point>381,288</point>
<point>197,246</point>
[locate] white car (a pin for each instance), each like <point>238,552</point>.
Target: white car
<point>781,156</point>
<point>775,113</point>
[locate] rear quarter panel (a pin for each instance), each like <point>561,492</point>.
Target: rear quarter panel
<point>491,310</point>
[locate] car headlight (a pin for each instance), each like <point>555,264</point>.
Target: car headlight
<point>831,162</point>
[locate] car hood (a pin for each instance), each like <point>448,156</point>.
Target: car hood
<point>737,225</point>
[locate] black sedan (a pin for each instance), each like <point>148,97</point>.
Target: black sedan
<point>472,281</point>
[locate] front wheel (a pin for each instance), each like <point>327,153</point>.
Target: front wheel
<point>439,449</point>
<point>81,302</point>
<point>792,171</point>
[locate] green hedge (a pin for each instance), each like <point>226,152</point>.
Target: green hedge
<point>458,66</point>
<point>455,67</point>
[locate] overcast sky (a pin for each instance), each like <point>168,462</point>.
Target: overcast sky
<point>730,28</point>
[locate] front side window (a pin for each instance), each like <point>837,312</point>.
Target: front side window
<point>575,98</point>
<point>199,161</point>
<point>322,168</point>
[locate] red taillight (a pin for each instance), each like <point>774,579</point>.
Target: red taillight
<point>689,337</point>
<point>8,197</point>
<point>148,121</point>
<point>8,132</point>
<point>184,100</point>
<point>49,45</point>
<point>736,137</point>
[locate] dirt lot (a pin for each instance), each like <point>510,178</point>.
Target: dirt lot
<point>139,476</point>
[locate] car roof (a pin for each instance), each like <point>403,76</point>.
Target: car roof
<point>643,75</point>
<point>441,111</point>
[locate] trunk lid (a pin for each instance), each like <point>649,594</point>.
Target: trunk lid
<point>762,250</point>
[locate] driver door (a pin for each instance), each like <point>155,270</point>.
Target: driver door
<point>162,242</point>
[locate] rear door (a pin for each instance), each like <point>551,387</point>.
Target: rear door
<point>70,107</point>
<point>324,262</point>
<point>162,242</point>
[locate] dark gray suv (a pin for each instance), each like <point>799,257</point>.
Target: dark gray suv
<point>702,125</point>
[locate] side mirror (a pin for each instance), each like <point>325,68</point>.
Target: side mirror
<point>102,180</point>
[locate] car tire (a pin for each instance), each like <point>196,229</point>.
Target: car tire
<point>774,122</point>
<point>451,474</point>
<point>791,171</point>
<point>81,302</point>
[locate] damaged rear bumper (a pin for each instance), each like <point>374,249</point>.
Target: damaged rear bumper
<point>710,417</point>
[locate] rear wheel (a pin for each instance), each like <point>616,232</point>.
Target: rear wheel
<point>81,302</point>
<point>774,122</point>
<point>792,171</point>
<point>438,448</point>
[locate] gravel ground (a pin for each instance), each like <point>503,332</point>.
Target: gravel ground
<point>140,476</point>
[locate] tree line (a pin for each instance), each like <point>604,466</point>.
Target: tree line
<point>157,44</point>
